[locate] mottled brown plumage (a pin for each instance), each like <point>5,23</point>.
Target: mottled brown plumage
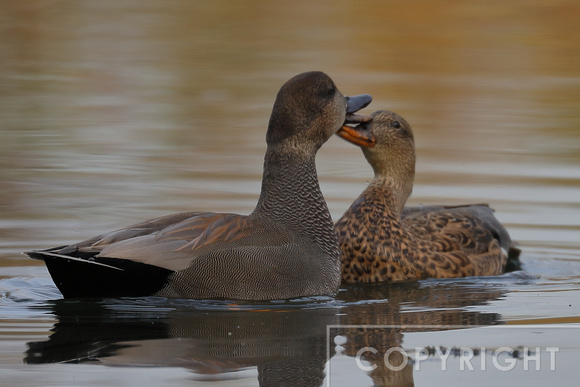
<point>380,240</point>
<point>287,247</point>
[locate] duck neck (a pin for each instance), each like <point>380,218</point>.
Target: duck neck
<point>394,192</point>
<point>394,174</point>
<point>291,195</point>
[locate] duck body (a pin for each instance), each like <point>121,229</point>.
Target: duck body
<point>287,247</point>
<point>383,241</point>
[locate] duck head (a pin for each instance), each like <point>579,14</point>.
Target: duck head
<point>309,109</point>
<point>388,145</point>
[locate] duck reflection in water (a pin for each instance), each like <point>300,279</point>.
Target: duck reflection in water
<point>287,342</point>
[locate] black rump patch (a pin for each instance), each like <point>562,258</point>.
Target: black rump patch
<point>86,278</point>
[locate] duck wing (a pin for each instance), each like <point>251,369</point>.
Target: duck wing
<point>479,214</point>
<point>175,246</point>
<point>173,241</point>
<point>450,228</point>
<point>137,260</point>
<point>461,234</point>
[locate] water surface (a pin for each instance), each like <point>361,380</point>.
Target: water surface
<point>116,112</point>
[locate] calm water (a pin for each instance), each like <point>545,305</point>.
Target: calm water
<point>115,112</point>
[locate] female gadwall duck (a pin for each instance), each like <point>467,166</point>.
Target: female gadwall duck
<point>382,241</point>
<point>287,247</point>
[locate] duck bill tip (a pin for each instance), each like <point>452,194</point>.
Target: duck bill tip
<point>357,102</point>
<point>356,136</point>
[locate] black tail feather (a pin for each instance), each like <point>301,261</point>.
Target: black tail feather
<point>90,276</point>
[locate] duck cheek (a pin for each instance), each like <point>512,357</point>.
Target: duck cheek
<point>373,158</point>
<point>369,154</point>
<point>334,121</point>
<point>339,111</point>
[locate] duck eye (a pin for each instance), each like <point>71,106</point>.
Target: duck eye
<point>396,124</point>
<point>330,91</point>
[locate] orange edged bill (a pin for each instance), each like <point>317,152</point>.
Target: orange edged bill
<point>360,134</point>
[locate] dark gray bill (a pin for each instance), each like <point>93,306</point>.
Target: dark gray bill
<point>357,102</point>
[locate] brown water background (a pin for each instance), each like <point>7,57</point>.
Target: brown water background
<point>113,112</point>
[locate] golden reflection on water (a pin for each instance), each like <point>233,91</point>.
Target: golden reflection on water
<point>116,112</point>
<point>139,109</point>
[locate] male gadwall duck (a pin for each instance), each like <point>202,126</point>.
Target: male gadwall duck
<point>381,240</point>
<point>287,247</point>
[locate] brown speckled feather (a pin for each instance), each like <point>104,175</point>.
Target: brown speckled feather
<point>383,241</point>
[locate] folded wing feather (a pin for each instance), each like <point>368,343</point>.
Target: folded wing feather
<point>174,241</point>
